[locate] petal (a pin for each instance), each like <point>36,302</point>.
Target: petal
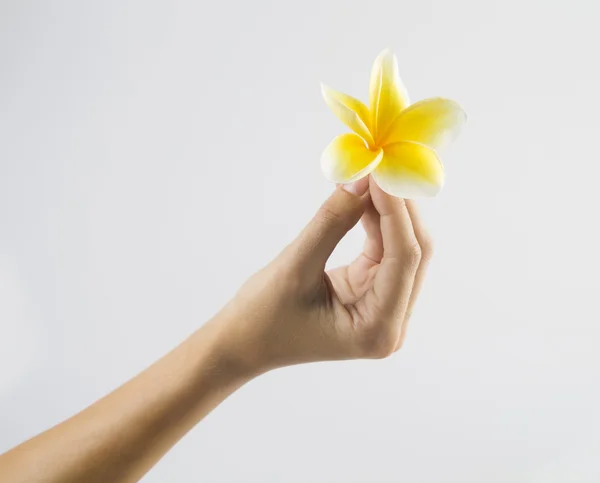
<point>348,159</point>
<point>434,122</point>
<point>351,111</point>
<point>409,170</point>
<point>388,96</point>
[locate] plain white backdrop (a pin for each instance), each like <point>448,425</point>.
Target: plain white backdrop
<point>154,154</point>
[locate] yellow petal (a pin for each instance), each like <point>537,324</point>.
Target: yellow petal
<point>351,111</point>
<point>409,170</point>
<point>388,96</point>
<point>434,122</point>
<point>348,159</point>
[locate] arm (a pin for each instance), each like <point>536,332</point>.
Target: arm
<point>291,312</point>
<point>121,436</point>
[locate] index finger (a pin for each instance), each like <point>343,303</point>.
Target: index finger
<point>401,254</point>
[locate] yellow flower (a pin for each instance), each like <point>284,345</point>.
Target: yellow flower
<point>394,141</point>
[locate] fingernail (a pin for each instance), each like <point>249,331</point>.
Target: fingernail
<point>358,188</point>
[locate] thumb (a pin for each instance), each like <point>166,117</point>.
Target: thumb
<point>342,210</point>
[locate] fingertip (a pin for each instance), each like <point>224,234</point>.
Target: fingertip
<point>357,188</point>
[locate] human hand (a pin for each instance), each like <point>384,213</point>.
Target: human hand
<point>290,312</point>
<point>293,311</point>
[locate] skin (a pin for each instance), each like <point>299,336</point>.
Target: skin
<point>291,312</point>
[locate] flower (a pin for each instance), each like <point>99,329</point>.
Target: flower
<point>395,142</point>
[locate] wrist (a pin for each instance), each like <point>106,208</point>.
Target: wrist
<point>225,350</point>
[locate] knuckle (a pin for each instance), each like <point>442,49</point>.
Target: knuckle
<point>382,347</point>
<point>427,248</point>
<point>378,342</point>
<point>413,254</point>
<point>400,344</point>
<point>328,214</point>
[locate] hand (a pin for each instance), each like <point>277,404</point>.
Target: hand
<point>290,312</point>
<point>293,311</point>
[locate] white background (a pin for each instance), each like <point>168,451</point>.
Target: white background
<point>155,154</point>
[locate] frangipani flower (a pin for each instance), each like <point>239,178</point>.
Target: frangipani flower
<point>395,142</point>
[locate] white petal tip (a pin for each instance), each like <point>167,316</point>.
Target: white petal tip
<point>327,92</point>
<point>410,193</point>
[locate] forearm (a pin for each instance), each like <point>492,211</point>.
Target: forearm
<point>290,312</point>
<point>120,437</point>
